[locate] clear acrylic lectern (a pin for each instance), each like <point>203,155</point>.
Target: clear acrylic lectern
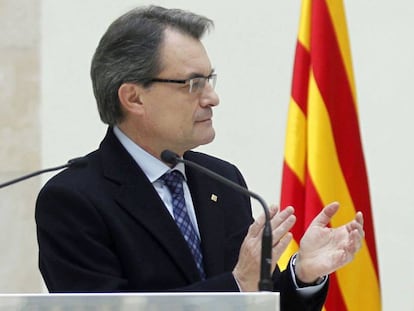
<point>262,301</point>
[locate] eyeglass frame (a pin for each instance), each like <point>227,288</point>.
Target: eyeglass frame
<point>190,81</point>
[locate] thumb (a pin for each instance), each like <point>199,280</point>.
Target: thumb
<point>325,216</point>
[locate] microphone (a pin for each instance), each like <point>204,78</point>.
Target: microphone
<point>265,282</point>
<point>76,162</point>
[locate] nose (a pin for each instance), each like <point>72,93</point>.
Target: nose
<point>209,97</point>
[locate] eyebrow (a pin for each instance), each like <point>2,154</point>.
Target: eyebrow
<point>198,75</point>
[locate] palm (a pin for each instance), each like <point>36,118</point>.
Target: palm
<point>326,249</point>
<point>323,250</point>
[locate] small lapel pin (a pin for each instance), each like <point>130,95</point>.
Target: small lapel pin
<point>213,197</point>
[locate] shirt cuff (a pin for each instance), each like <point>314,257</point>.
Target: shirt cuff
<point>308,290</point>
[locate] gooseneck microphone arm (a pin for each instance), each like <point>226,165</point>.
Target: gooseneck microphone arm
<point>77,162</point>
<point>265,282</point>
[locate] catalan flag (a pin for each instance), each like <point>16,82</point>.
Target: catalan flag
<point>324,160</point>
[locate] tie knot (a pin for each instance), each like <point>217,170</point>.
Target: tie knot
<point>173,179</point>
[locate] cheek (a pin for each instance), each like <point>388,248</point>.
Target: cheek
<point>174,114</point>
<point>174,122</point>
<point>184,120</point>
<point>185,113</point>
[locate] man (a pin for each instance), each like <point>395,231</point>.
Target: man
<point>129,222</point>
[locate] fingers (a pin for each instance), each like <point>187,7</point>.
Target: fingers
<point>358,227</point>
<point>330,210</point>
<point>325,216</point>
<point>356,236</point>
<point>281,246</point>
<point>356,241</point>
<point>357,224</point>
<point>282,223</point>
<point>257,226</point>
<point>359,217</point>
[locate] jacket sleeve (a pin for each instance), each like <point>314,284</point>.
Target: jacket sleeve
<point>291,298</point>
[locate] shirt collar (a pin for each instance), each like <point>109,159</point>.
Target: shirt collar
<point>152,167</point>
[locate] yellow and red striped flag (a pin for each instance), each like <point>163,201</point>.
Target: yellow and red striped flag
<point>324,160</point>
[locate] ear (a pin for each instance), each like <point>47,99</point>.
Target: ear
<point>129,97</point>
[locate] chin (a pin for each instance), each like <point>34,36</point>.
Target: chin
<point>206,139</point>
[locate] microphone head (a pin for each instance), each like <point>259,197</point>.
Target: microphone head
<point>78,162</point>
<point>169,157</point>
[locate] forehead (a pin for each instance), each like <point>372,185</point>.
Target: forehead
<point>183,55</point>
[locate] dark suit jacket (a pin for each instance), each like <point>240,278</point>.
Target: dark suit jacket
<point>103,228</point>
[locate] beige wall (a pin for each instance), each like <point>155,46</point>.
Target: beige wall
<point>20,142</point>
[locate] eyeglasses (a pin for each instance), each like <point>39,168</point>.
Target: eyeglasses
<point>196,84</point>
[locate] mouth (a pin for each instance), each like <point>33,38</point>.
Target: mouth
<point>206,116</point>
<point>205,120</point>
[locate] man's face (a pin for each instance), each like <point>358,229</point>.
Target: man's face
<point>174,118</point>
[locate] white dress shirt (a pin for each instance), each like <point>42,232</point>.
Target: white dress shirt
<point>154,168</point>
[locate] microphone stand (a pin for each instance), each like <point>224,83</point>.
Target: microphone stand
<point>265,282</point>
<point>77,162</point>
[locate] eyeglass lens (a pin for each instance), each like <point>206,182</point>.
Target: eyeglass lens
<point>198,84</point>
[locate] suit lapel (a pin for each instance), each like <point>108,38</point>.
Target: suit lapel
<point>138,198</point>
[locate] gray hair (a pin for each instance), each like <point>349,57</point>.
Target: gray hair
<point>129,51</point>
